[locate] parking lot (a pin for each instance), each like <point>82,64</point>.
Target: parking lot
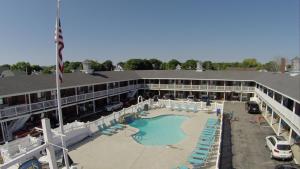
<point>248,140</point>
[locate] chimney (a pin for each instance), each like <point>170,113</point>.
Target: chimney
<point>282,65</point>
<point>86,67</point>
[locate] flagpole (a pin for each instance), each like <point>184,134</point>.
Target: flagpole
<point>58,81</point>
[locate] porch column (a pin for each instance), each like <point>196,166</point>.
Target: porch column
<point>107,92</point>
<point>29,102</point>
<point>3,134</point>
<point>279,127</point>
<point>272,118</point>
<point>94,102</point>
<point>290,135</point>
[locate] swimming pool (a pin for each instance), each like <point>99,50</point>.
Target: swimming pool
<point>160,130</point>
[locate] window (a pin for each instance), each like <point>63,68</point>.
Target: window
<point>272,141</point>
<point>265,90</point>
<point>288,103</point>
<point>1,100</point>
<point>297,108</point>
<point>270,93</point>
<point>278,97</point>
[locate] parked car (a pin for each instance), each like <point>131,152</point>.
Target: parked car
<point>287,166</point>
<point>168,96</point>
<point>252,107</point>
<point>191,98</point>
<point>279,147</point>
<point>114,106</point>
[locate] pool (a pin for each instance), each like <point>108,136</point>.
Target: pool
<point>160,130</point>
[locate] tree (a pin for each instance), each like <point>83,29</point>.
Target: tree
<point>47,70</point>
<point>156,64</point>
<point>134,64</point>
<point>250,63</point>
<point>96,66</point>
<point>271,66</point>
<point>122,64</point>
<point>207,65</point>
<point>172,64</point>
<point>189,65</point>
<point>22,66</point>
<point>108,65</point>
<point>36,68</point>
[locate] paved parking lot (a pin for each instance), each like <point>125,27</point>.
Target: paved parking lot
<point>248,140</point>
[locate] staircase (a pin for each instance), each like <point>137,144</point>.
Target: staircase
<point>16,125</point>
<point>132,93</point>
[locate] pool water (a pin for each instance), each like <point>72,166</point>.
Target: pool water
<point>160,130</point>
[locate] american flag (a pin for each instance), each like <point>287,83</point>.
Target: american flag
<point>60,46</point>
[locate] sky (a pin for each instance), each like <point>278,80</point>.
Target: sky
<point>217,30</point>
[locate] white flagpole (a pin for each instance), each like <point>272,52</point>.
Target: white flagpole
<point>61,125</point>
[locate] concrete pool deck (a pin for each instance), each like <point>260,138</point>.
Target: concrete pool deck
<point>122,151</point>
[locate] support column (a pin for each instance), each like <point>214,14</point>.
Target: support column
<point>290,136</point>
<point>94,104</point>
<point>3,134</point>
<point>279,127</point>
<point>48,139</point>
<point>272,118</point>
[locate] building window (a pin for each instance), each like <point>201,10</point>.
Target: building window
<point>270,93</point>
<point>278,97</point>
<point>1,100</point>
<point>288,103</point>
<point>265,90</point>
<point>297,108</point>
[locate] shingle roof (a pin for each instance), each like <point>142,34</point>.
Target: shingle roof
<point>283,83</point>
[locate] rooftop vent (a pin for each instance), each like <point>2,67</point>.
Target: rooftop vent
<point>86,67</point>
<point>199,67</point>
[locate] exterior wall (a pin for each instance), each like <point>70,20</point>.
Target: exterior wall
<point>90,99</point>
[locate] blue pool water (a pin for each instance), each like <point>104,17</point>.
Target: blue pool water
<point>160,130</point>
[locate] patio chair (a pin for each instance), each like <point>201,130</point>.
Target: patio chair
<point>116,125</point>
<point>111,129</point>
<point>105,132</point>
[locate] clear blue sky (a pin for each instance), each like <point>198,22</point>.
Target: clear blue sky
<point>218,30</point>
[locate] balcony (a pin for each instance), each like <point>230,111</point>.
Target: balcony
<point>288,116</point>
<point>199,87</point>
<point>14,111</point>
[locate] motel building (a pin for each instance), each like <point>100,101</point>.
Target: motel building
<point>24,100</point>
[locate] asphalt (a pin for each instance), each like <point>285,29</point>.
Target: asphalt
<point>248,141</point>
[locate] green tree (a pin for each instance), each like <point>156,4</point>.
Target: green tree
<point>134,64</point>
<point>271,66</point>
<point>207,65</point>
<point>189,65</point>
<point>156,64</point>
<point>96,66</point>
<point>250,63</point>
<point>108,65</point>
<point>22,66</point>
<point>172,64</point>
<point>47,70</point>
<point>36,68</point>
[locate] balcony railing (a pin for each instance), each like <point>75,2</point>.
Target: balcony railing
<point>198,87</point>
<point>15,111</point>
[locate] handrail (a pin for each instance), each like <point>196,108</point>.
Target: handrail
<point>14,111</point>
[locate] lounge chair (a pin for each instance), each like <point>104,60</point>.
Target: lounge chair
<point>196,162</point>
<point>111,129</point>
<point>116,125</point>
<point>200,151</point>
<point>105,132</point>
<point>199,156</point>
<point>182,167</point>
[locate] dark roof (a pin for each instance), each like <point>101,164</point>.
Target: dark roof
<point>283,83</point>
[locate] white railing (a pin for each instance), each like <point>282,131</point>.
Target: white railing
<point>220,137</point>
<point>15,111</point>
<point>288,116</point>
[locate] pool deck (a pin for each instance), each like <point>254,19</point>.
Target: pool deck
<point>121,151</point>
